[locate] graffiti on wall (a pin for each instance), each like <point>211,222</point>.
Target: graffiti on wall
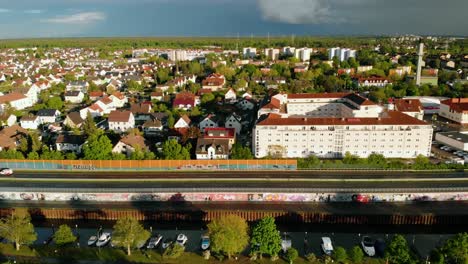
<point>241,197</point>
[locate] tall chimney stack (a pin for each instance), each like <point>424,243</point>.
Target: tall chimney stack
<point>420,58</point>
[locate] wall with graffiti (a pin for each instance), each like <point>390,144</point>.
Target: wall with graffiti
<point>241,197</point>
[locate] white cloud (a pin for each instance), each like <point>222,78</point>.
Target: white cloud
<point>78,18</point>
<point>3,10</point>
<point>33,11</point>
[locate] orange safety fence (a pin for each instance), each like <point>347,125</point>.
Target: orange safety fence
<point>149,164</point>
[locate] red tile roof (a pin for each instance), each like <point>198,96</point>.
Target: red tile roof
<point>119,116</point>
<point>408,105</point>
<point>459,105</point>
<point>184,98</point>
<point>11,97</point>
<point>389,118</point>
<point>215,132</point>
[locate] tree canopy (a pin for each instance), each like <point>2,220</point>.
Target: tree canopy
<point>228,235</point>
<point>172,150</point>
<point>267,237</point>
<point>128,233</point>
<point>398,251</point>
<point>64,236</point>
<point>18,228</point>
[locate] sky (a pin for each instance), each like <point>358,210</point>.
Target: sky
<point>105,18</point>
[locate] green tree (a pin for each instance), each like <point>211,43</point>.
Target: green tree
<point>48,154</point>
<point>456,249</point>
<point>99,147</point>
<point>377,159</point>
<point>228,235</point>
<point>398,251</point>
<point>356,255</point>
<point>170,121</point>
<point>128,233</point>
<point>421,162</point>
<point>173,251</point>
<point>11,154</point>
<point>310,162</point>
<point>292,255</point>
<point>64,236</point>
<point>172,150</point>
<point>33,155</point>
<point>18,229</point>
<point>89,126</point>
<point>267,237</point>
<point>55,103</point>
<point>207,98</point>
<point>340,255</point>
<point>34,142</point>
<point>240,152</point>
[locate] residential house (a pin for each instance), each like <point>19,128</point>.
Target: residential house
<point>16,100</point>
<point>95,95</point>
<point>129,143</point>
<point>455,109</point>
<point>106,104</point>
<point>157,96</point>
<point>212,149</point>
<point>69,143</point>
<point>152,127</point>
<point>73,120</point>
<point>221,133</point>
<point>81,86</point>
<point>230,96</point>
<point>141,111</point>
<point>7,119</point>
<point>214,82</point>
<point>74,97</point>
<point>11,136</point>
<point>411,107</point>
<point>118,99</point>
<point>30,122</point>
<point>121,121</point>
<point>234,121</point>
<point>208,121</point>
<point>185,101</point>
<point>183,122</point>
<point>246,104</point>
<point>373,81</point>
<point>95,110</point>
<point>48,115</point>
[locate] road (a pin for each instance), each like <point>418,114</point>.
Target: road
<point>345,174</point>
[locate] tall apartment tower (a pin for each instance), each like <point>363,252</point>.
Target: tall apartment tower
<point>420,60</point>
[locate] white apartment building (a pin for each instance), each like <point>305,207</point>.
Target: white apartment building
<point>394,135</point>
<point>303,54</point>
<point>177,55</point>
<point>272,54</point>
<point>329,125</point>
<point>331,105</point>
<point>249,52</point>
<point>455,109</point>
<point>289,51</point>
<point>343,54</point>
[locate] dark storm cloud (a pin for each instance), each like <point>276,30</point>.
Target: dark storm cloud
<point>373,16</point>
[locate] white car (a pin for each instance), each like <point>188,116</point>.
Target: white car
<point>327,246</point>
<point>154,241</point>
<point>103,240</point>
<point>6,172</point>
<point>181,239</point>
<point>368,245</point>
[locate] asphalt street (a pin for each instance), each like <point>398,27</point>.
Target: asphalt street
<point>324,174</point>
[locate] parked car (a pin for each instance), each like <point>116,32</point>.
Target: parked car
<point>368,244</point>
<point>327,246</point>
<point>6,172</point>
<point>181,239</point>
<point>92,240</point>
<point>154,241</point>
<point>205,242</point>
<point>103,240</point>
